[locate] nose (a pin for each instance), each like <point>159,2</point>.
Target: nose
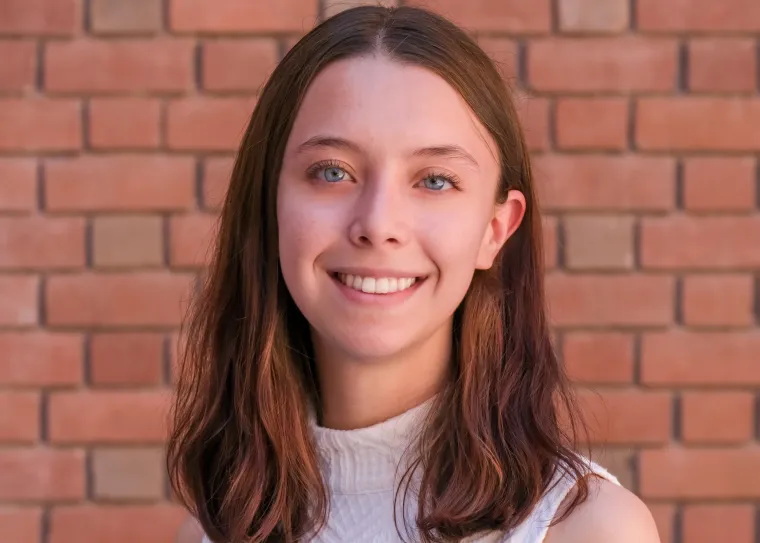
<point>379,217</point>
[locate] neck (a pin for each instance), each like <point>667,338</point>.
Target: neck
<point>357,393</point>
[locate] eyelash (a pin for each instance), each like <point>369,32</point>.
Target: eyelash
<point>325,164</point>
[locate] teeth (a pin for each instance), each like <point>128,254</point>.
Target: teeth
<point>376,285</point>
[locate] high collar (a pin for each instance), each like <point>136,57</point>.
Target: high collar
<point>368,459</point>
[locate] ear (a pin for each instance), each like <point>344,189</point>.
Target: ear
<point>506,218</point>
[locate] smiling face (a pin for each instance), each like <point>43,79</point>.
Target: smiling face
<point>386,207</point>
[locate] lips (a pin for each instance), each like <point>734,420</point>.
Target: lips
<point>376,285</point>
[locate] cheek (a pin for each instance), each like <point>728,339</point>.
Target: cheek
<point>305,230</point>
<point>453,239</point>
<point>295,232</point>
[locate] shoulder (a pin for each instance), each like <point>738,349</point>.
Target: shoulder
<point>610,513</point>
<point>190,532</point>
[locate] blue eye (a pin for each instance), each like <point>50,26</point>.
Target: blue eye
<point>437,183</point>
<point>333,174</point>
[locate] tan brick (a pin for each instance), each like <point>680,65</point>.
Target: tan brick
<point>127,241</point>
<point>126,16</point>
<point>618,461</point>
<point>333,7</point>
<point>130,473</point>
<point>594,242</point>
<point>593,15</point>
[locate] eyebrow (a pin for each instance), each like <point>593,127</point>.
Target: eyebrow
<point>445,151</point>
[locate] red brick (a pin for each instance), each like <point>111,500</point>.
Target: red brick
<point>120,183</point>
<point>534,117</point>
<point>214,124</point>
<point>290,41</point>
<point>602,64</point>
<point>150,523</point>
<point>40,359</point>
<point>664,517</point>
<point>41,474</point>
<point>40,124</point>
<point>689,123</point>
<point>127,358</point>
<point>191,239</point>
<point>19,294</point>
<point>627,416</point>
<point>709,359</point>
<point>41,243</point>
<point>724,522</point>
<point>241,16</point>
<point>238,64</point>
<point>176,353</point>
<point>698,15</point>
<point>19,417</point>
<point>22,524</point>
<point>550,239</point>
<point>609,129</point>
<point>512,16</point>
<point>17,71</point>
<point>119,17</point>
<point>119,65</point>
<point>596,300</point>
<point>599,242</point>
<point>717,417</point>
<point>722,65</point>
<point>593,15</point>
<point>125,123</point>
<point>719,242</point>
<point>719,183</point>
<point>18,184</point>
<point>117,299</point>
<point>216,178</point>
<point>718,300</point>
<point>504,54</point>
<point>605,182</point>
<point>108,417</point>
<point>603,357</point>
<point>46,17</point>
<point>714,473</point>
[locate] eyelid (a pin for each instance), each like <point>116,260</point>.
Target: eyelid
<point>450,177</point>
<point>329,163</point>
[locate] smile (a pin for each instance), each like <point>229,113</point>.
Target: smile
<point>376,285</point>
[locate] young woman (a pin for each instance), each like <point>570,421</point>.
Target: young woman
<point>369,359</point>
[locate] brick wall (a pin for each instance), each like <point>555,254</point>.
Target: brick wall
<point>118,120</point>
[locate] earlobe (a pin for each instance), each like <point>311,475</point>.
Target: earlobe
<point>505,221</point>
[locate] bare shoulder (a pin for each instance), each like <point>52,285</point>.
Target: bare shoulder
<point>190,531</point>
<point>611,513</point>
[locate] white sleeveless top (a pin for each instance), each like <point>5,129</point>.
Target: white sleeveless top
<point>361,472</point>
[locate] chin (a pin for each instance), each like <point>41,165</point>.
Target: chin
<point>368,345</point>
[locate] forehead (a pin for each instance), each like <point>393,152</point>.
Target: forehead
<point>382,103</point>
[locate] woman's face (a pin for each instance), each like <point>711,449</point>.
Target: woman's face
<point>386,206</point>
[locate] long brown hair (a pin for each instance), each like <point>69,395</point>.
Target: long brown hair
<point>240,454</point>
